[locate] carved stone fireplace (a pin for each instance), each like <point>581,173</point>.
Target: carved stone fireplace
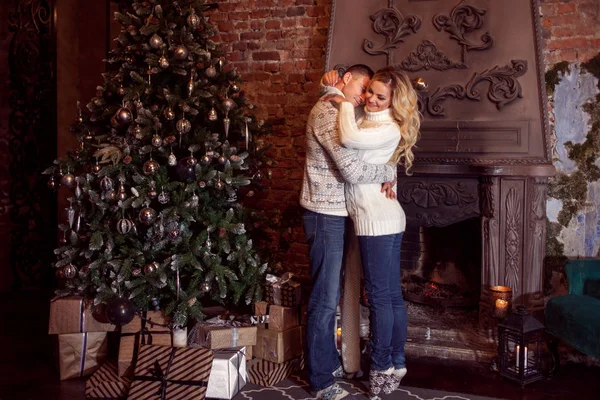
<point>484,150</point>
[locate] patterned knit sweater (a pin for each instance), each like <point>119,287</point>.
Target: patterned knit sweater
<point>329,165</point>
<point>376,137</point>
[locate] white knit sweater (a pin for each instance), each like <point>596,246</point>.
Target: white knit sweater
<point>375,137</point>
<point>329,166</point>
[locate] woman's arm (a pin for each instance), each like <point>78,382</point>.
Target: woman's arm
<point>353,137</point>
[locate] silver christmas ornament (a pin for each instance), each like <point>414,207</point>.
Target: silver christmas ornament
<point>212,114</point>
<point>191,86</point>
<point>169,114</point>
<point>172,160</point>
<point>163,62</point>
<point>206,287</point>
<point>183,126</point>
<point>156,140</point>
<point>226,125</point>
<point>124,226</point>
<point>163,197</point>
<point>156,41</point>
<point>69,271</point>
<point>106,184</point>
<point>194,200</point>
<point>181,52</point>
<point>211,72</point>
<point>147,215</point>
<point>151,167</point>
<point>68,180</point>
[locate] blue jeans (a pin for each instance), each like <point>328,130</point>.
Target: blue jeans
<point>325,238</point>
<point>380,256</point>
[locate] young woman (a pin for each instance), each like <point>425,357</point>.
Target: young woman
<point>385,134</point>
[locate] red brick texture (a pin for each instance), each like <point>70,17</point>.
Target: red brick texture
<point>278,46</point>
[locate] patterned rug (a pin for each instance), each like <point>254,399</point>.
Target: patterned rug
<point>296,388</point>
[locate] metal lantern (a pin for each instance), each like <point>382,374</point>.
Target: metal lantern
<point>520,339</point>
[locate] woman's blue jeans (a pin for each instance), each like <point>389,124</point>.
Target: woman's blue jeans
<point>325,238</point>
<point>380,256</point>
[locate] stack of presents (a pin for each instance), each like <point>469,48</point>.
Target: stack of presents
<point>215,359</point>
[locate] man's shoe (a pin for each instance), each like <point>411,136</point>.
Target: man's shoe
<point>333,392</point>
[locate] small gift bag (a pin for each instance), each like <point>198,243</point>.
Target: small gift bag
<point>283,291</point>
<point>171,373</point>
<point>228,374</point>
<point>107,384</point>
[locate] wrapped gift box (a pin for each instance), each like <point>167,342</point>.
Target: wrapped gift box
<point>266,373</point>
<point>171,373</point>
<point>283,291</point>
<point>279,318</point>
<point>278,347</point>
<point>149,330</point>
<point>74,314</point>
<point>228,374</point>
<point>81,354</point>
<point>218,336</point>
<point>107,384</point>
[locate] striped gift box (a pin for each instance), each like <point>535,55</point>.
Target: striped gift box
<point>107,384</point>
<point>267,373</point>
<point>171,373</point>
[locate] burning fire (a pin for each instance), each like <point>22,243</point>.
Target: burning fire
<point>431,289</point>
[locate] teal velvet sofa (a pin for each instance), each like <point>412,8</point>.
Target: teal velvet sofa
<point>575,318</point>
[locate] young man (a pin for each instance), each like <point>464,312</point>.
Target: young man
<point>328,166</point>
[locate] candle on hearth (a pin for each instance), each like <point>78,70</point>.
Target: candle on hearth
<point>501,306</point>
<point>517,350</point>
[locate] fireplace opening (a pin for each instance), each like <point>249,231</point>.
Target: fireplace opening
<point>441,266</point>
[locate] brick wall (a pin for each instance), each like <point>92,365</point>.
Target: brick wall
<point>278,46</point>
<point>570,29</point>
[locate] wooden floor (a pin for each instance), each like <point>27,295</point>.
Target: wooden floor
<point>27,365</point>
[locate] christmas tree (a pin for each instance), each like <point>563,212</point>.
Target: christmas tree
<point>166,155</point>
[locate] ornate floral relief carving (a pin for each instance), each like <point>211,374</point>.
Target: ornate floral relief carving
<point>537,236</point>
<point>435,194</point>
<point>434,102</point>
<point>428,56</point>
<point>391,23</point>
<point>486,196</point>
<point>464,19</point>
<point>512,239</point>
<point>504,88</point>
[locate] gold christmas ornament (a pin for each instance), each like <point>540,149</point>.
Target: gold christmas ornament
<point>96,167</point>
<point>124,226</point>
<point>152,194</point>
<point>150,268</point>
<point>172,160</point>
<point>212,115</point>
<point>68,180</point>
<point>191,85</point>
<point>205,159</point>
<point>156,140</point>
<point>181,52</point>
<point>156,41</point>
<point>69,271</point>
<point>151,167</point>
<point>121,91</point>
<point>52,182</point>
<point>169,114</point>
<point>211,72</point>
<point>163,62</point>
<point>183,126</point>
<point>193,20</point>
<point>122,195</point>
<point>228,104</point>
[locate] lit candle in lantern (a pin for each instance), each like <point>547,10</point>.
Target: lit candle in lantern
<point>517,350</point>
<point>339,337</point>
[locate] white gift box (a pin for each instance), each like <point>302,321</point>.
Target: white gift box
<point>228,374</point>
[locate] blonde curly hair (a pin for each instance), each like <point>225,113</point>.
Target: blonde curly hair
<point>405,111</point>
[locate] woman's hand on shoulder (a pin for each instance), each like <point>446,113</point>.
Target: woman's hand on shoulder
<point>331,78</point>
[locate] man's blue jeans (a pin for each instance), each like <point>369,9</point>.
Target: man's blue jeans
<point>325,238</point>
<point>380,256</point>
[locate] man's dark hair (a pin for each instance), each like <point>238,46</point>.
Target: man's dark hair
<point>361,70</point>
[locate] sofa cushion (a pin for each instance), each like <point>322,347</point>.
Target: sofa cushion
<point>591,287</point>
<point>575,319</point>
